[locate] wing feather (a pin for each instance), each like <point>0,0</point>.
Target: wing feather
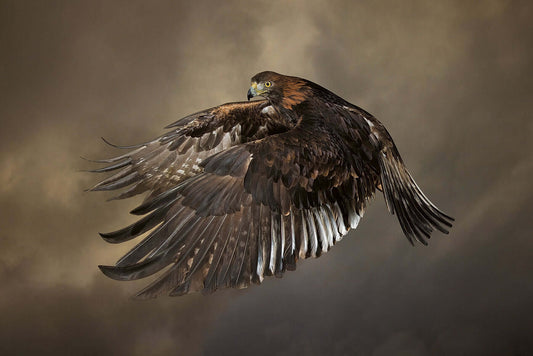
<point>237,193</point>
<point>172,158</point>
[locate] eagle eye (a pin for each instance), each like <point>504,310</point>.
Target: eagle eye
<point>268,84</point>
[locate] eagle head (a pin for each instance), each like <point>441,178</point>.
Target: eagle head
<point>279,89</point>
<point>265,84</point>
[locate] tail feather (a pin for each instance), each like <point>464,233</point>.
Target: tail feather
<point>417,215</point>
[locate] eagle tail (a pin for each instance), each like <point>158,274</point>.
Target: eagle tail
<point>417,215</point>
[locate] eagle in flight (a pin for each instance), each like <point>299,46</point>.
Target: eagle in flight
<point>243,190</point>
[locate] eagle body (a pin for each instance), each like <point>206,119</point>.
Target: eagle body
<point>243,190</point>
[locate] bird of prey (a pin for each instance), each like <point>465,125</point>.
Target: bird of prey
<point>245,189</point>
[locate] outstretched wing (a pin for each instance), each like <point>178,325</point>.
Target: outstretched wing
<point>417,215</point>
<point>160,164</point>
<point>250,210</point>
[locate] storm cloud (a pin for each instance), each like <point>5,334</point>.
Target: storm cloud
<point>450,80</point>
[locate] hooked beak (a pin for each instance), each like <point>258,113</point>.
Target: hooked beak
<point>251,93</point>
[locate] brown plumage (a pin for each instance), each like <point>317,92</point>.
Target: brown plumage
<point>245,189</point>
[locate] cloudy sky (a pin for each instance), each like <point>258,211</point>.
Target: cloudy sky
<point>450,80</point>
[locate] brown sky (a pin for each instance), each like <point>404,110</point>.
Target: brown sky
<point>450,80</point>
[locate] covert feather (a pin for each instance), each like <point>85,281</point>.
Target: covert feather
<point>243,190</point>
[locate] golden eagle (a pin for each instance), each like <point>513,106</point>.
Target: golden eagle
<point>243,190</point>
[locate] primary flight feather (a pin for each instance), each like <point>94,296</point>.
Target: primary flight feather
<point>243,190</point>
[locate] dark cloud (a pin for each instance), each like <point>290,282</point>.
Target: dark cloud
<point>451,82</point>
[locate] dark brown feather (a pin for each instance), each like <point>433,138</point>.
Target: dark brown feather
<point>243,190</point>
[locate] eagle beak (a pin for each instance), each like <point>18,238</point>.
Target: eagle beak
<point>251,93</point>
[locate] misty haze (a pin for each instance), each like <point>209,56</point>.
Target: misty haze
<point>450,81</point>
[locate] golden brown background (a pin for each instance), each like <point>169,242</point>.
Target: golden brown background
<point>451,80</point>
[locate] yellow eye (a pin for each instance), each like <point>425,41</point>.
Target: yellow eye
<point>268,84</point>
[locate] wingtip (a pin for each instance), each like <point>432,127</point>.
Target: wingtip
<point>138,210</point>
<point>106,141</point>
<point>113,272</point>
<point>143,295</point>
<point>108,237</point>
<point>95,160</point>
<point>122,147</point>
<point>139,297</point>
<point>109,271</point>
<point>112,238</point>
<point>94,188</point>
<point>112,144</point>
